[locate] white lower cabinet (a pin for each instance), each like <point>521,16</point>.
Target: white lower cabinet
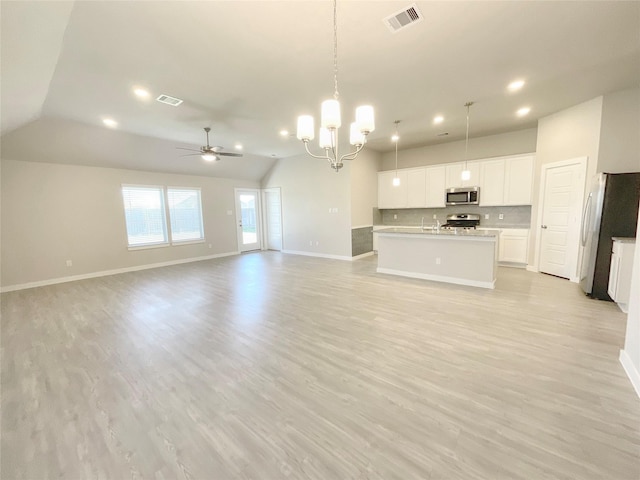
<point>513,246</point>
<point>620,271</point>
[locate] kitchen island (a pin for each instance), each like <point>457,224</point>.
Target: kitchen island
<point>464,257</point>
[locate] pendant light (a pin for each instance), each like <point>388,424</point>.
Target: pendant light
<point>395,138</point>
<point>466,173</point>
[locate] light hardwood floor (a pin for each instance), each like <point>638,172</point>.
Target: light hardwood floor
<point>277,366</point>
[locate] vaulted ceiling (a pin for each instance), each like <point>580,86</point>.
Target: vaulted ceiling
<point>247,69</point>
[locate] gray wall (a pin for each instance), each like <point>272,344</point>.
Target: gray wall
<point>364,173</point>
<point>620,133</point>
<point>512,143</point>
<point>52,213</point>
<point>571,133</point>
<point>309,188</point>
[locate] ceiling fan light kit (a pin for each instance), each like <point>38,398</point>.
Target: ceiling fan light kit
<point>331,120</point>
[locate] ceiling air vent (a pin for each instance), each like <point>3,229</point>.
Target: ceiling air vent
<point>405,17</point>
<point>169,100</point>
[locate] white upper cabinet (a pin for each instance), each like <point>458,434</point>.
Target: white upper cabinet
<point>454,174</point>
<point>435,183</point>
<point>492,182</point>
<point>518,181</point>
<point>390,196</point>
<point>502,181</point>
<point>416,188</point>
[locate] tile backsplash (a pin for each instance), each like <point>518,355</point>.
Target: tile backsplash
<point>514,216</point>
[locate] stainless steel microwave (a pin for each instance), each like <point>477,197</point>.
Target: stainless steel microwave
<point>462,196</point>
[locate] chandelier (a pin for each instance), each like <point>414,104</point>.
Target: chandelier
<point>330,120</point>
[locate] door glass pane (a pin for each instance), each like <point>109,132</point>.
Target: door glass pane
<point>248,208</point>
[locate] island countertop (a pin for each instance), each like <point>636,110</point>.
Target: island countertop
<point>459,233</point>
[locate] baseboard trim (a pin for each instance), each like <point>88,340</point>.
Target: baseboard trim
<point>116,271</point>
<point>438,278</point>
<point>362,255</point>
<point>631,371</point>
<point>315,254</point>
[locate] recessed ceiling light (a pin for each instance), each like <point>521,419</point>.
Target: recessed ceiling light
<point>284,133</point>
<point>237,146</point>
<point>438,119</point>
<point>141,93</point>
<point>515,85</point>
<point>523,111</point>
<point>110,122</point>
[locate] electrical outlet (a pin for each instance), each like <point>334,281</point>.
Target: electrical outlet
<point>435,216</point>
<point>486,216</point>
<point>317,243</point>
<point>501,216</point>
<point>69,263</point>
<point>209,245</point>
<point>438,261</point>
<point>395,216</point>
<point>229,212</point>
<point>311,243</point>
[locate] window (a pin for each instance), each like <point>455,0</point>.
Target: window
<point>145,215</point>
<point>185,213</point>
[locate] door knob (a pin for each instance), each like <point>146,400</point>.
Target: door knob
<point>543,226</point>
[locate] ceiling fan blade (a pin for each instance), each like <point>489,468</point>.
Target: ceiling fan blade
<point>229,154</point>
<point>190,149</point>
<point>191,155</point>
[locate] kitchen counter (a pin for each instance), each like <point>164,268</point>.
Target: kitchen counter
<point>461,257</point>
<point>624,239</point>
<point>441,232</point>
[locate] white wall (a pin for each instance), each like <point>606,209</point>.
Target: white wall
<point>630,356</point>
<point>570,133</point>
<point>512,143</point>
<point>364,187</point>
<point>52,213</point>
<point>620,134</point>
<point>309,188</point>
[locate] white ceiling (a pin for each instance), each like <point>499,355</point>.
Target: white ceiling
<point>247,69</point>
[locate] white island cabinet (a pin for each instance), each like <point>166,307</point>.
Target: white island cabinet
<point>620,271</point>
<point>464,258</point>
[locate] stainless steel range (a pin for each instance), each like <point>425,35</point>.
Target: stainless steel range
<point>467,221</point>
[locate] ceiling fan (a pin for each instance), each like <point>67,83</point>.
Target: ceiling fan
<point>208,152</point>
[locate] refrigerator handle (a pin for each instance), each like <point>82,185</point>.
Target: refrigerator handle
<point>585,218</point>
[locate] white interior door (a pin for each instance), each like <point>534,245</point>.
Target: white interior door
<point>248,219</point>
<point>272,204</point>
<point>559,230</point>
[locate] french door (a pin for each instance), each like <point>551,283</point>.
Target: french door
<point>248,219</point>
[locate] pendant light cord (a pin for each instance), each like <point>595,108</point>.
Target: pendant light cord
<point>335,49</point>
<point>397,140</point>
<point>466,145</point>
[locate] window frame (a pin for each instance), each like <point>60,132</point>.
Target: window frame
<point>141,246</point>
<point>166,217</point>
<point>187,241</point>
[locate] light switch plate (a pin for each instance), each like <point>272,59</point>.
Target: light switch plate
<point>501,216</point>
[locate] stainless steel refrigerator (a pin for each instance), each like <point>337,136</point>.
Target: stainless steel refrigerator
<point>611,210</point>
